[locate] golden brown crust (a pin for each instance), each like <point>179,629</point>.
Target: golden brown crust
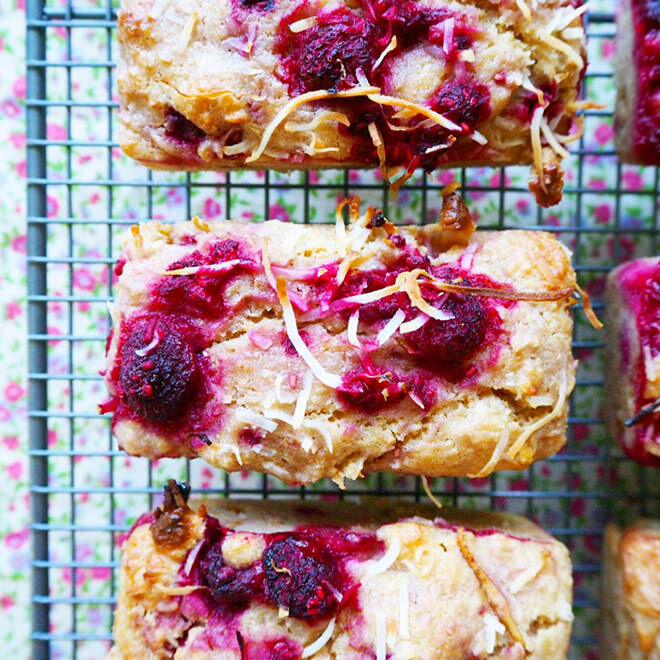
<point>519,50</point>
<point>492,586</point>
<point>631,593</point>
<point>511,413</point>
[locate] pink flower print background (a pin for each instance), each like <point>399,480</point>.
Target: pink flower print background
<point>87,570</point>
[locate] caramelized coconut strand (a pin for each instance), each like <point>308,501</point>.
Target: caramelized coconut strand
<point>388,49</point>
<point>298,101</point>
<point>377,140</point>
<point>456,224</point>
<point>494,596</point>
<point>505,294</point>
<point>170,527</point>
<point>642,414</point>
<point>451,188</point>
<point>588,309</point>
<point>429,494</point>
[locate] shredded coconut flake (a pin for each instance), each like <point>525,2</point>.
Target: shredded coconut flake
<point>429,494</point>
<point>361,78</point>
<point>388,49</point>
<point>318,426</point>
<point>382,99</point>
<point>339,117</point>
<point>192,555</point>
<point>530,87</point>
<point>564,18</point>
<point>495,457</point>
<point>274,413</point>
<point>352,328</point>
<point>479,138</point>
<point>235,149</point>
<point>298,101</point>
<point>302,24</point>
<point>188,29</point>
<point>524,9</point>
<point>303,398</point>
<point>237,453</point>
<point>307,423</point>
<point>390,327</point>
<point>448,36</point>
<point>549,135</point>
<point>525,577</point>
<point>377,140</point>
<point>281,397</point>
<point>321,641</point>
<point>415,324</point>
<point>177,591</point>
<point>265,260</point>
<point>255,419</point>
<point>387,560</point>
<point>408,283</point>
<point>563,47</point>
<point>144,351</point>
<point>484,641</point>
<point>535,135</point>
<point>372,296</point>
<point>207,269</point>
<point>573,34</point>
<point>329,380</point>
<point>546,419</point>
<point>416,400</point>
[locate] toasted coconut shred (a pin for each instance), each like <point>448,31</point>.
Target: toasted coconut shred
<point>495,598</point>
<point>498,452</point>
<point>556,411</point>
<point>318,644</point>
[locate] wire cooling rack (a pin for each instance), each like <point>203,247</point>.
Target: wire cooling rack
<point>82,193</point>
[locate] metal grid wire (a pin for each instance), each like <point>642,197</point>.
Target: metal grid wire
<point>60,492</point>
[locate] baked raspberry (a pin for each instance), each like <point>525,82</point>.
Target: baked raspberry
<point>298,578</point>
<point>410,21</point>
<point>271,649</point>
<point>288,347</point>
<point>649,315</point>
<point>250,436</point>
<point>454,341</point>
<point>177,127</point>
<point>199,295</point>
<point>329,54</point>
<point>466,103</point>
<point>159,370</point>
<point>370,391</point>
<point>237,587</point>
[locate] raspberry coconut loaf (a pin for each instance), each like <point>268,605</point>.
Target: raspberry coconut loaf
<point>630,622</point>
<point>638,82</point>
<point>295,84</point>
<point>318,351</point>
<point>633,354</point>
<point>289,580</point>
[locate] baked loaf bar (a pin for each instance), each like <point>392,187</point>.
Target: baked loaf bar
<point>630,621</point>
<point>636,123</point>
<point>633,357</point>
<point>257,580</point>
<point>320,351</point>
<point>295,84</point>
